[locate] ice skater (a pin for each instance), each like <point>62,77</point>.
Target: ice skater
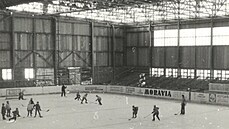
<point>8,109</point>
<point>135,111</point>
<point>3,111</point>
<point>30,109</point>
<point>99,99</point>
<point>78,96</point>
<point>63,92</point>
<point>21,95</point>
<point>37,109</point>
<point>155,113</point>
<point>183,104</point>
<point>84,98</point>
<point>15,115</point>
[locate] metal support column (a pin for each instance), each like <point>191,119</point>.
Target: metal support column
<point>55,55</point>
<point>92,52</point>
<point>179,61</point>
<point>151,44</point>
<point>12,46</point>
<point>34,48</point>
<point>211,52</point>
<point>113,51</point>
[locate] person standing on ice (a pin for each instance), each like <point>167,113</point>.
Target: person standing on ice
<point>135,111</point>
<point>30,109</point>
<point>63,92</point>
<point>8,109</point>
<point>21,95</point>
<point>99,99</point>
<point>183,104</point>
<point>78,96</point>
<point>155,113</point>
<point>3,111</point>
<point>84,98</point>
<point>37,109</point>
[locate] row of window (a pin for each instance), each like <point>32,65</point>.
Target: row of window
<point>192,37</point>
<point>190,73</point>
<point>7,73</point>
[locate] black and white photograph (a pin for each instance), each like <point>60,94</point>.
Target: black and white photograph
<point>114,64</point>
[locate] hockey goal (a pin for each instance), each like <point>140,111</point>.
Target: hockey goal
<point>12,93</point>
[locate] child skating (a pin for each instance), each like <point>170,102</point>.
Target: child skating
<point>37,109</point>
<point>78,96</point>
<point>99,99</point>
<point>155,113</point>
<point>3,111</point>
<point>15,115</point>
<point>84,99</point>
<point>135,111</point>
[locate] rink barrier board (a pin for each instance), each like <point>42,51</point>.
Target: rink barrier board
<point>207,98</point>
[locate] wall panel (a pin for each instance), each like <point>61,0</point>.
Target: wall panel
<point>5,59</point>
<point>203,57</point>
<point>23,41</point>
<point>66,59</point>
<point>158,57</point>
<point>65,28</point>
<point>81,59</point>
<point>65,42</point>
<point>221,57</point>
<point>81,29</point>
<point>43,42</point>
<point>5,23</point>
<point>132,39</point>
<point>187,55</point>
<point>43,25</point>
<point>100,59</point>
<point>118,59</point>
<point>24,59</point>
<point>171,57</point>
<point>143,57</point>
<point>44,59</point>
<point>81,43</point>
<point>144,39</point>
<point>119,44</point>
<point>4,41</point>
<point>23,24</point>
<point>131,57</point>
<point>101,44</point>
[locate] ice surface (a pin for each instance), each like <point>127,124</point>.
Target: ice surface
<point>115,113</point>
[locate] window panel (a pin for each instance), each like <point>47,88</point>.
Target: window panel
<point>7,74</point>
<point>29,73</point>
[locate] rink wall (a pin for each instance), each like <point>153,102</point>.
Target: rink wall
<point>208,98</point>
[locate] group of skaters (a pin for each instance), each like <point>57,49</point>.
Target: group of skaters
<point>155,111</point>
<point>78,96</point>
<point>6,110</point>
<point>84,98</point>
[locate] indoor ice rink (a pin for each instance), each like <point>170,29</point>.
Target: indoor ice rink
<point>115,113</point>
<point>151,57</point>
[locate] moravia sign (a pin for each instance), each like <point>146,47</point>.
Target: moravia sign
<point>158,92</point>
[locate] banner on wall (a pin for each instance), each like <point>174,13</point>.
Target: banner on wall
<point>212,98</point>
<point>200,97</point>
<point>158,92</point>
<point>178,94</point>
<point>130,90</point>
<point>115,89</point>
<point>95,88</point>
<point>222,99</point>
